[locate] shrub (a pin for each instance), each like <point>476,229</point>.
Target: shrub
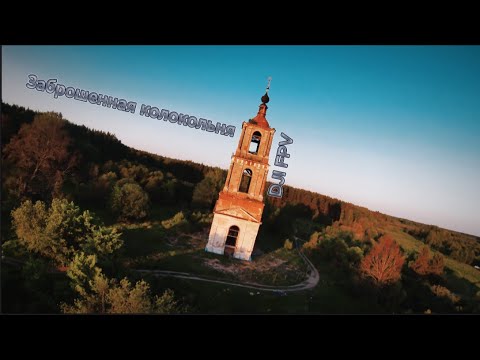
<point>313,241</point>
<point>288,244</point>
<point>202,218</point>
<point>355,254</point>
<point>441,291</point>
<point>436,264</point>
<point>178,220</point>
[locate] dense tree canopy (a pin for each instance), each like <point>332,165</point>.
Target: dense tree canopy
<point>206,191</point>
<point>40,152</point>
<point>425,264</point>
<point>58,231</point>
<point>129,201</point>
<point>101,295</point>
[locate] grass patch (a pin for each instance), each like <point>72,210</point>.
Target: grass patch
<point>161,213</point>
<point>142,242</point>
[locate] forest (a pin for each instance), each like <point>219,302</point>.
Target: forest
<point>79,210</point>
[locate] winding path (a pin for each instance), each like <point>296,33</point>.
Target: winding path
<point>309,283</point>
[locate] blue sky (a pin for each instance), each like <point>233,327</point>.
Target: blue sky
<point>392,128</point>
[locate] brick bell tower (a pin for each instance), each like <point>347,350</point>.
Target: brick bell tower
<point>238,210</point>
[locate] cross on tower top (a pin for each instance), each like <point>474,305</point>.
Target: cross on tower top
<point>265,98</point>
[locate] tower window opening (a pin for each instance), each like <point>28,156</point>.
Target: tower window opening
<point>245,182</point>
<point>255,143</point>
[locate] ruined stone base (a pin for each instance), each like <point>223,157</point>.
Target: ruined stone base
<point>237,254</point>
<point>243,256</point>
<point>245,241</point>
<point>213,249</point>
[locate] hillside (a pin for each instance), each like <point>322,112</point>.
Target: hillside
<point>95,166</point>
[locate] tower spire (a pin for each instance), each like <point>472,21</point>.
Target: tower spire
<point>261,119</point>
<point>265,99</point>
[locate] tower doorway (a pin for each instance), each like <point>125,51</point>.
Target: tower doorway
<point>231,241</point>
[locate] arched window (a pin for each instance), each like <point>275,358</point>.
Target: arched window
<point>255,143</point>
<point>232,236</point>
<point>245,183</point>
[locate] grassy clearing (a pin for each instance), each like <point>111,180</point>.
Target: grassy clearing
<point>151,246</point>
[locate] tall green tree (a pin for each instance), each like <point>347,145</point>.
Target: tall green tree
<point>89,283</point>
<point>206,191</point>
